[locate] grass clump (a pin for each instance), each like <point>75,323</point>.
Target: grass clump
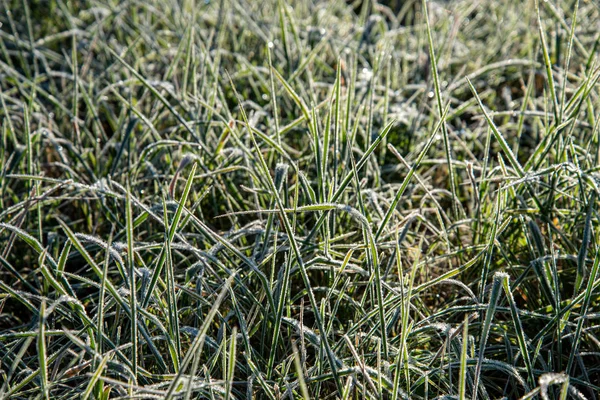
<point>316,199</point>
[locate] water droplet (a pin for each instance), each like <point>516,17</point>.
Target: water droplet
<point>430,94</point>
<point>271,45</point>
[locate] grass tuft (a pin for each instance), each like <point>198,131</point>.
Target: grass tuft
<point>230,199</point>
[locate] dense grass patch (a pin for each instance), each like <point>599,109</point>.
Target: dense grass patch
<point>311,199</point>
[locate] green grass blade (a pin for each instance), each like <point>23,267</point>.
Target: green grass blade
<point>409,175</point>
<point>288,228</point>
<point>499,137</point>
<point>41,352</point>
<point>548,65</point>
<point>231,363</point>
<point>196,345</point>
<point>462,383</point>
<point>485,331</point>
<point>170,235</point>
<point>441,111</point>
<point>525,350</point>
<point>94,378</point>
<point>132,286</point>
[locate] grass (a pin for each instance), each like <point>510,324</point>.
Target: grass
<point>311,199</point>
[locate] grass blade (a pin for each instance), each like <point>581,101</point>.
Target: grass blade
<point>462,383</point>
<point>171,234</point>
<point>132,287</point>
<point>41,350</point>
<point>441,111</point>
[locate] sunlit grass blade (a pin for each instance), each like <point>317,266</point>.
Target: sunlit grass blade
<point>231,356</point>
<point>563,92</point>
<point>441,111</point>
<point>94,379</point>
<point>41,351</point>
<point>548,65</point>
<point>300,372</point>
<point>462,382</point>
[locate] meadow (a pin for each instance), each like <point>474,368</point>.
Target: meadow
<point>277,199</point>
